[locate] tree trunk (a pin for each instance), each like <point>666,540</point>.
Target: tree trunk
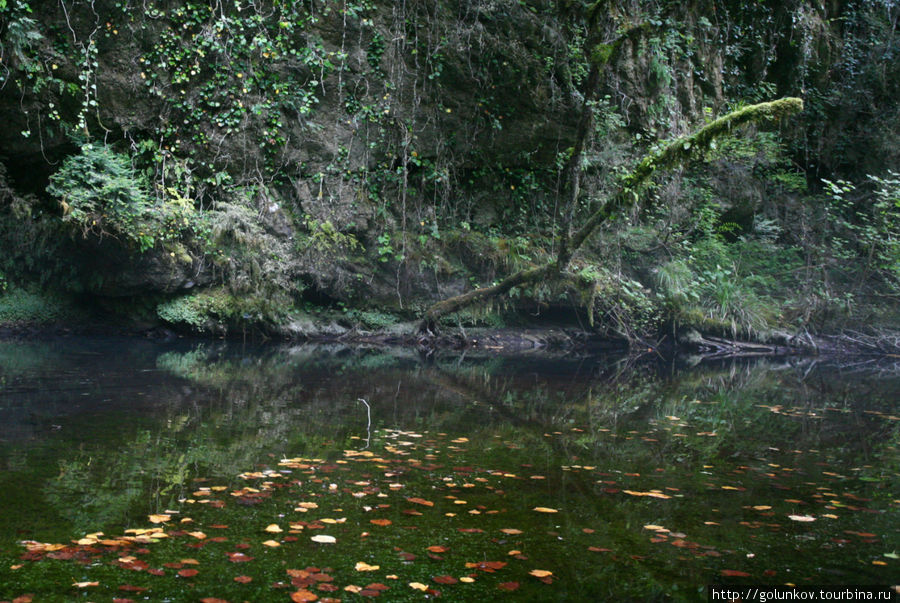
<point>676,153</point>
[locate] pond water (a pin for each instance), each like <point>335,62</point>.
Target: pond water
<point>294,473</point>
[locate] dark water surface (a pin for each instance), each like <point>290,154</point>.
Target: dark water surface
<point>624,480</point>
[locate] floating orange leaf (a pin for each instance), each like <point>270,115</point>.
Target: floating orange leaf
<point>188,573</point>
<point>445,579</point>
<point>487,566</point>
<point>303,596</point>
<point>161,518</point>
<point>438,549</point>
<point>539,573</point>
<point>381,522</point>
<point>508,586</point>
<point>420,501</point>
<point>271,543</point>
<point>511,531</point>
<point>545,510</point>
<point>243,579</point>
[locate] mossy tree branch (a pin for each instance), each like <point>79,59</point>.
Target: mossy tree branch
<point>679,152</point>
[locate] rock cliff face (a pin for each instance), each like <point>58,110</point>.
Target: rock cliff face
<point>378,155</point>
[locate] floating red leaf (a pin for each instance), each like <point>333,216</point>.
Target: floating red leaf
<point>734,573</point>
<point>508,586</point>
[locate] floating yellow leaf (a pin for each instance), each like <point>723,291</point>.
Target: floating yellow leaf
<point>352,588</point>
<point>324,539</point>
<point>539,573</point>
<point>514,552</point>
<point>198,535</point>
<point>85,584</point>
<point>362,566</point>
<point>651,494</point>
<point>273,528</point>
<point>161,518</point>
<point>761,508</point>
<point>802,518</point>
<point>545,510</point>
<point>511,531</point>
<point>467,579</point>
<point>418,586</point>
<point>271,543</point>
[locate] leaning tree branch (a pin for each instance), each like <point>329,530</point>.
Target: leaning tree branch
<point>674,154</point>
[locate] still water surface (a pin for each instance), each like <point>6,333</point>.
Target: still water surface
<point>531,477</point>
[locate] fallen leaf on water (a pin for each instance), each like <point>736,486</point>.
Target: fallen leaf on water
<point>243,579</point>
<point>511,531</point>
<point>487,566</point>
<point>802,518</point>
<point>418,586</point>
<point>467,579</point>
<point>273,528</point>
<point>514,552</point>
<point>420,501</point>
<point>271,543</point>
<point>445,579</point>
<point>238,557</point>
<point>85,584</point>
<point>380,522</point>
<point>651,494</point>
<point>539,573</point>
<point>188,573</point>
<point>761,508</point>
<point>302,596</point>
<point>161,518</point>
<point>324,539</point>
<point>734,573</point>
<point>508,586</point>
<point>438,549</point>
<point>545,510</point>
<point>362,566</point>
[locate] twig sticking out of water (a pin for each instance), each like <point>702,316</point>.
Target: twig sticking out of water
<point>369,424</point>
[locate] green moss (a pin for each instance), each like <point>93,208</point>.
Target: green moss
<point>217,310</point>
<point>18,306</point>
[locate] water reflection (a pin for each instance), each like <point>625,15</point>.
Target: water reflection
<point>96,432</point>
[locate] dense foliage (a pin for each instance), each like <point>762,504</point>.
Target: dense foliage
<point>372,156</point>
